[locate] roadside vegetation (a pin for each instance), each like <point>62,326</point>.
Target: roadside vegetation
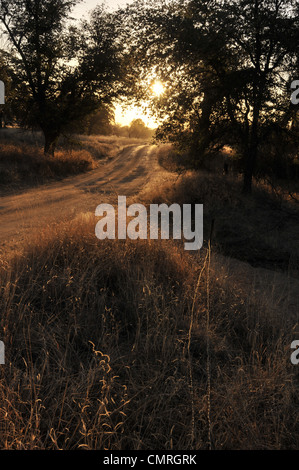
<point>26,166</point>
<point>23,163</point>
<point>261,229</point>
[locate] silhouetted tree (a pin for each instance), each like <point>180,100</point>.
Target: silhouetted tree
<point>61,73</point>
<point>100,122</point>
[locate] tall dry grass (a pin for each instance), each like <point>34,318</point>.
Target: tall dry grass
<point>261,229</point>
<point>23,165</point>
<point>113,345</point>
<point>169,158</point>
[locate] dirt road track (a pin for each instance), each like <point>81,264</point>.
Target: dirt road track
<point>124,175</point>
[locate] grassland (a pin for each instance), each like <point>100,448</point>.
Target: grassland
<point>140,345</point>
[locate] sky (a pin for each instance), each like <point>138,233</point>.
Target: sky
<point>124,115</point>
<point>85,6</point>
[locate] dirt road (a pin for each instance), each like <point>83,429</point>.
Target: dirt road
<point>124,175</point>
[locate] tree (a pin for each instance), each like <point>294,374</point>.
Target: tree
<point>227,67</point>
<point>139,130</point>
<point>61,74</point>
<point>265,34</point>
<point>100,122</point>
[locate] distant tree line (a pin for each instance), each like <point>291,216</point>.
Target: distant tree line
<point>102,122</point>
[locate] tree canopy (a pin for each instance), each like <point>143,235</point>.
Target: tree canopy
<point>227,67</point>
<point>61,72</point>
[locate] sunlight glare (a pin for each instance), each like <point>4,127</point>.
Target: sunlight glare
<point>158,88</point>
<point>124,115</point>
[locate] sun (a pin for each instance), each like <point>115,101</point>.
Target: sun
<point>158,88</point>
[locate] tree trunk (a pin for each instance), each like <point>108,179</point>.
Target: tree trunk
<point>259,83</point>
<point>252,149</point>
<point>249,168</point>
<point>51,139</point>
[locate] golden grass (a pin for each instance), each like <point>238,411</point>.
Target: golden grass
<point>106,146</point>
<point>24,165</point>
<point>140,345</point>
<point>106,348</point>
<point>171,159</point>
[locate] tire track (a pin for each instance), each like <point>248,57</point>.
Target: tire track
<point>32,210</point>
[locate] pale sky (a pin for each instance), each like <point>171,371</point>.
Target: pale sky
<point>84,7</point>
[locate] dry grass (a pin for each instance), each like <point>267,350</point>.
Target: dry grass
<point>172,160</point>
<point>22,136</point>
<point>106,146</point>
<point>107,344</point>
<point>140,345</point>
<point>23,165</point>
<point>167,157</point>
<point>261,229</point>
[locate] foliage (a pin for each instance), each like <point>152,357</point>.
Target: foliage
<point>139,130</point>
<point>227,68</point>
<point>61,73</point>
